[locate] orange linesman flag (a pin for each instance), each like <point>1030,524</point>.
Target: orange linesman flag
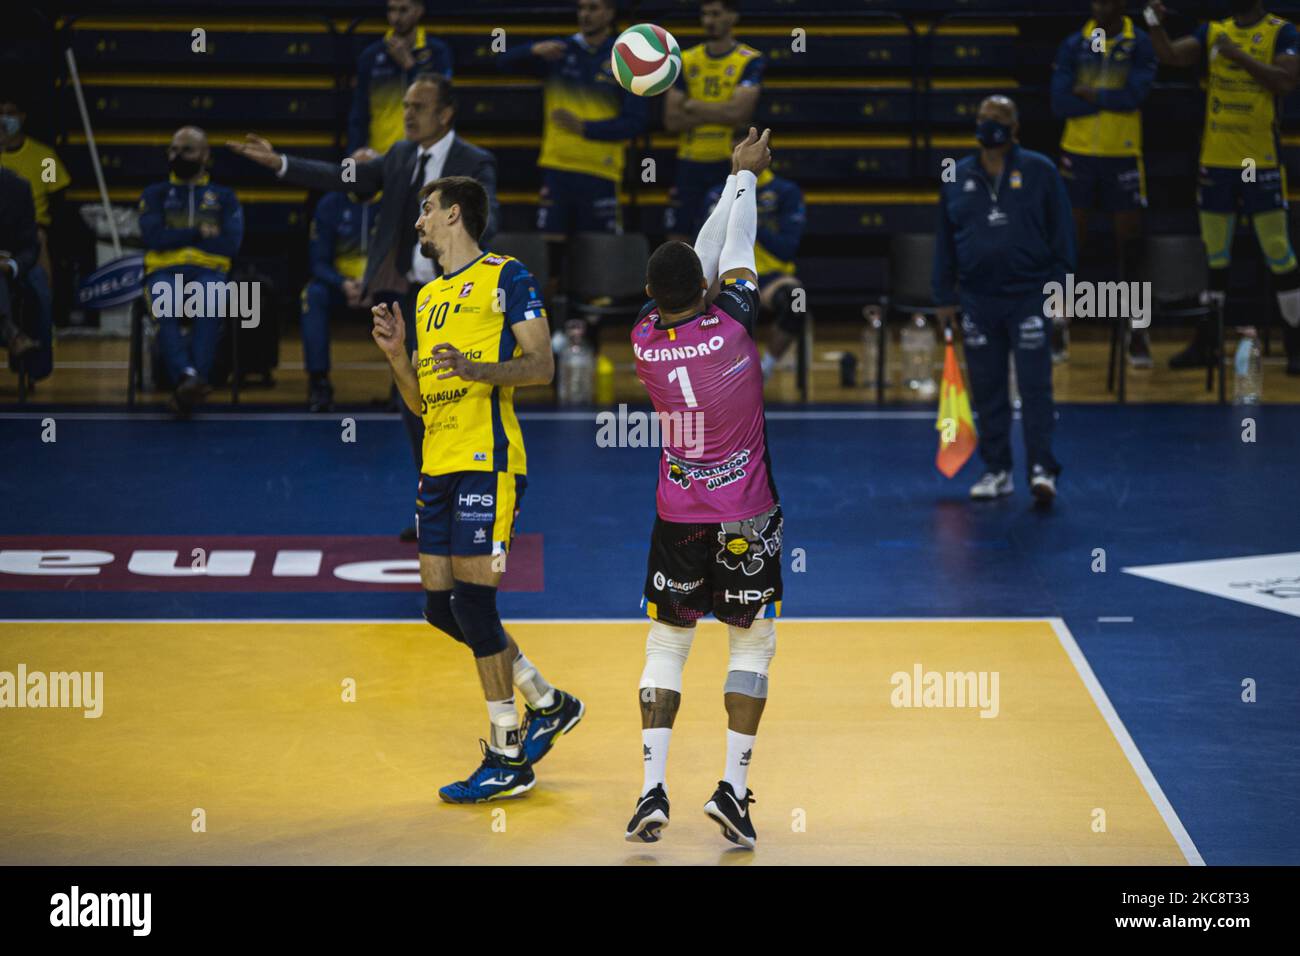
<point>956,425</point>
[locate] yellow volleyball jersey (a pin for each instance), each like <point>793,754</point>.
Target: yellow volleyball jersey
<point>1106,132</point>
<point>583,84</point>
<point>471,426</point>
<point>43,170</point>
<point>1240,114</point>
<point>713,79</point>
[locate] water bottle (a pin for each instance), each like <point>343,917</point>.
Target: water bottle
<point>917,346</point>
<point>1248,383</point>
<point>870,344</point>
<point>577,366</point>
<point>604,381</point>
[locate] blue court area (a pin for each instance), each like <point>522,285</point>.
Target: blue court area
<point>880,532</point>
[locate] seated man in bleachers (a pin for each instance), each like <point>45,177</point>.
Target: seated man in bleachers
<point>781,220</point>
<point>18,253</point>
<point>341,232</point>
<point>384,71</point>
<point>39,165</point>
<point>191,230</point>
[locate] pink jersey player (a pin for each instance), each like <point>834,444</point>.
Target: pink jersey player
<point>706,384</point>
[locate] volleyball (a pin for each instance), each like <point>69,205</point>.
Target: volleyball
<point>646,59</point>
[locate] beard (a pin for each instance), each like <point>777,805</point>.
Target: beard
<point>427,250</point>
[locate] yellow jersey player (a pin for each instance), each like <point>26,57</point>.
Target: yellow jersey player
<point>716,92</point>
<point>1253,59</point>
<point>481,331</point>
<point>1100,79</point>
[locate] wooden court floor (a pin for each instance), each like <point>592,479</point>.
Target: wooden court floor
<point>247,722</point>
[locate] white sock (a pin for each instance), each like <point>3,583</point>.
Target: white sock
<point>739,749</point>
<point>505,726</point>
<point>654,749</point>
<point>539,694</point>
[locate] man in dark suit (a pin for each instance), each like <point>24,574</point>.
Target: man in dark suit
<point>395,269</point>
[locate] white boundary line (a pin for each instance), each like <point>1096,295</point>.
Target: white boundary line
<point>1135,759</point>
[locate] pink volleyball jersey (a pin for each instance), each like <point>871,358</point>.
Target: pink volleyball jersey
<point>706,383</point>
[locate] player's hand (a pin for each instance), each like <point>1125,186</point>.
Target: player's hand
<point>400,51</point>
<point>549,50</point>
<point>567,121</point>
<point>1086,93</point>
<point>754,153</point>
<point>1225,47</point>
<point>352,292</point>
<point>452,363</point>
<point>389,331</point>
<point>257,149</point>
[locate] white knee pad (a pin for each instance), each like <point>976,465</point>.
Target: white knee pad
<point>666,649</point>
<point>752,650</point>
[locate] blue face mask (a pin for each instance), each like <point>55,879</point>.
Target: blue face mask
<point>10,124</point>
<point>991,133</point>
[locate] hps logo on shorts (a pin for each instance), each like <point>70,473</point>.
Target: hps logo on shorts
<point>469,501</point>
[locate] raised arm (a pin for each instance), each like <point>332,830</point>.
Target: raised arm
<point>1185,51</point>
<point>751,157</point>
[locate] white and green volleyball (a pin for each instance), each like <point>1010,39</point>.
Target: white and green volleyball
<point>646,59</point>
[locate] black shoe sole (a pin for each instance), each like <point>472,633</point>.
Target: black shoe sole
<point>648,830</point>
<point>712,811</point>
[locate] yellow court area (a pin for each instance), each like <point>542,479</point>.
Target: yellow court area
<point>247,721</point>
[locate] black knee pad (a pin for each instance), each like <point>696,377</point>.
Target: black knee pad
<point>788,319</point>
<point>437,611</point>
<point>475,608</point>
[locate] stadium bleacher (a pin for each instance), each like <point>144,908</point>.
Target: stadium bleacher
<point>863,119</point>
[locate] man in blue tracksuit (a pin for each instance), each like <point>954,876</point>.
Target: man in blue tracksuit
<point>384,71</point>
<point>191,229</point>
<point>341,232</point>
<point>1004,232</point>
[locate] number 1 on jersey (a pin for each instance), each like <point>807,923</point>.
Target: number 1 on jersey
<point>679,375</point>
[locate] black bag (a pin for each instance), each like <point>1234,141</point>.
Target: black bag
<point>259,346</point>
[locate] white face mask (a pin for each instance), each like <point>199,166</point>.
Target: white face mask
<point>10,124</point>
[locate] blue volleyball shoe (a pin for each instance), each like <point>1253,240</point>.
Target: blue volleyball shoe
<point>543,727</point>
<point>497,778</point>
